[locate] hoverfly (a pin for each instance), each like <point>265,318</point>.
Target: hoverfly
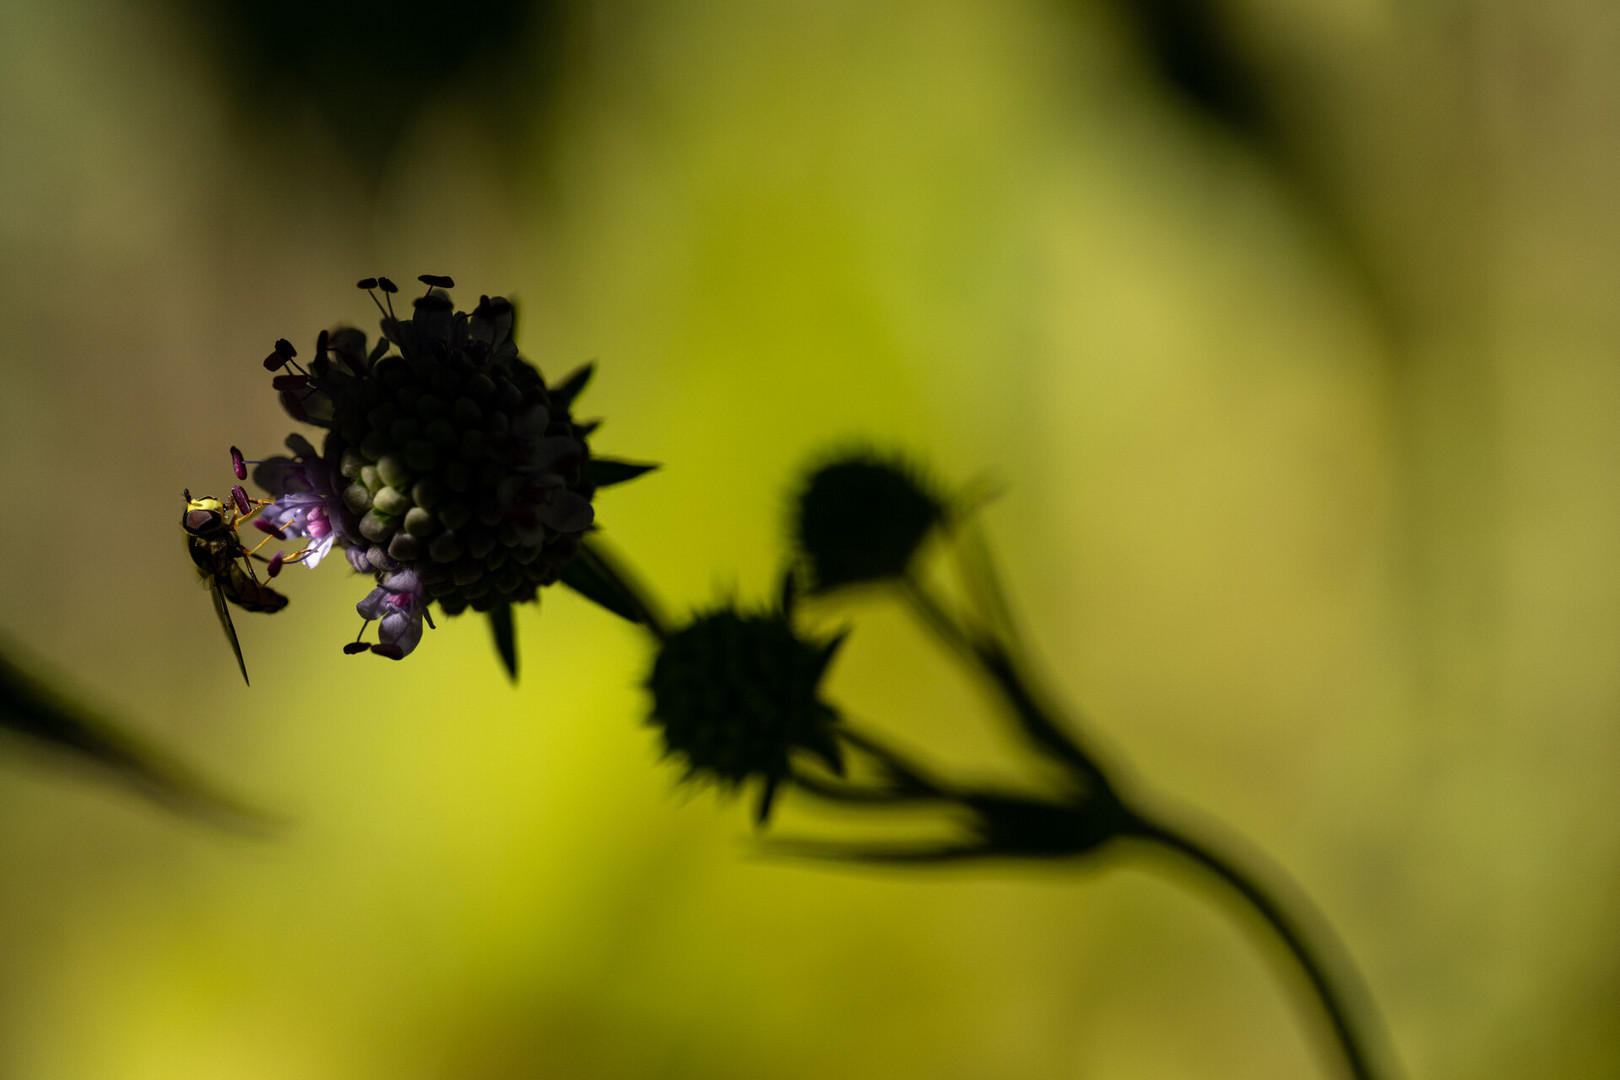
<point>212,543</point>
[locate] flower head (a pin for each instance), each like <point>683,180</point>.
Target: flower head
<point>735,694</point>
<point>449,470</point>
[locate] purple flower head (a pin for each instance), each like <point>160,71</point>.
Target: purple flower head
<point>449,471</point>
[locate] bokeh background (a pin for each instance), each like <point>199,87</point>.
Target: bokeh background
<point>1286,331</point>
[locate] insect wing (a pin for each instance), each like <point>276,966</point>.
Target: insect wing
<point>217,593</point>
<point>249,593</point>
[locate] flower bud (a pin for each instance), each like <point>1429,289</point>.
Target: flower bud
<point>734,694</point>
<point>862,519</point>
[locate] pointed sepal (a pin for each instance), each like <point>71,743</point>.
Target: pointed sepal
<point>565,392</point>
<point>605,472</point>
<point>501,626</point>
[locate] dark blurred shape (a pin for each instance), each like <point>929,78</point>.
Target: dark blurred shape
<point>1201,50</point>
<point>41,720</point>
<point>368,67</point>
<point>861,518</point>
<point>1193,45</point>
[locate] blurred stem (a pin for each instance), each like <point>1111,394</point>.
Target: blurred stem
<point>596,556</point>
<point>1354,1046</point>
<point>990,654</point>
<point>991,657</point>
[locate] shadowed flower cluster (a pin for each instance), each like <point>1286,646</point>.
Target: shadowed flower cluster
<point>450,472</point>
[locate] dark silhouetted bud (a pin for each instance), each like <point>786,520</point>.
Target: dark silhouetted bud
<point>735,694</point>
<point>862,518</point>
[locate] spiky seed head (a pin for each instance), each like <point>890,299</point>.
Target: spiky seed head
<point>734,694</point>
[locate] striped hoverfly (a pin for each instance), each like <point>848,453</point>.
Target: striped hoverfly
<point>222,561</point>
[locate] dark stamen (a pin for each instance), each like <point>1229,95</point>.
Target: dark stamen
<point>284,348</point>
<point>355,647</point>
<point>265,527</point>
<point>290,382</point>
<point>241,499</point>
<point>275,563</point>
<point>389,289</point>
<point>392,651</point>
<point>238,466</point>
<point>274,362</point>
<point>367,283</point>
<point>294,407</point>
<point>436,281</point>
<point>384,311</point>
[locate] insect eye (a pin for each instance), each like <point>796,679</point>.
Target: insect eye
<point>199,520</point>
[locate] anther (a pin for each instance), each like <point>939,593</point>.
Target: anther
<point>290,382</point>
<point>354,647</point>
<point>275,563</point>
<point>284,348</point>
<point>366,283</point>
<point>238,466</point>
<point>436,281</point>
<point>266,527</point>
<point>242,504</point>
<point>387,286</point>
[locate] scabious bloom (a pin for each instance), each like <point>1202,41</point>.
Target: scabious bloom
<point>735,694</point>
<point>450,472</point>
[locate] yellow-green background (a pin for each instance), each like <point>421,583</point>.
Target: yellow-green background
<point>1310,464</point>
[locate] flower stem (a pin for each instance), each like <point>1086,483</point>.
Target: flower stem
<point>994,660</point>
<point>1289,930</point>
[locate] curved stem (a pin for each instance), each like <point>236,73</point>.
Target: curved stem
<point>994,661</point>
<point>1354,1046</point>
